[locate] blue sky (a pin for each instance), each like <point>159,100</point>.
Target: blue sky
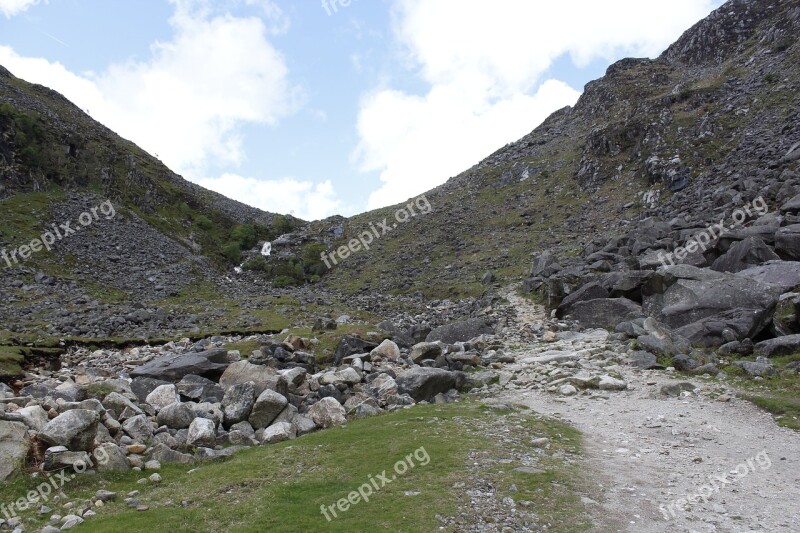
<point>319,108</point>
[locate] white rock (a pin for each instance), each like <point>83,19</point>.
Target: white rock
<point>163,396</point>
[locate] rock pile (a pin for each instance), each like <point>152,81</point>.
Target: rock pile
<point>677,284</point>
<point>184,402</point>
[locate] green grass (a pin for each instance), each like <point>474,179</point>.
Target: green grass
<point>11,359</point>
<point>25,215</point>
<point>785,407</point>
<point>778,395</point>
<point>281,487</point>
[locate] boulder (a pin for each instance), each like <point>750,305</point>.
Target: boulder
<point>605,312</point>
<point>425,350</point>
<point>267,407</point>
<point>765,232</point>
<point>423,383</point>
<point>743,255</point>
<point>262,377</point>
<point>666,346</point>
<point>121,404</point>
<point>460,331</point>
<point>278,432</point>
<point>327,413</point>
<point>383,386</point>
<point>590,291</point>
<point>609,383</point>
<point>782,274</point>
<point>165,455</point>
<point>162,397</point>
<point>644,360</point>
<point>200,389</point>
<point>209,411</point>
<point>110,458</point>
<point>791,206</point>
<point>304,424</point>
<point>779,346</point>
<point>787,242</point>
<point>34,417</point>
<point>716,329</point>
<point>238,402</point>
<point>759,368</point>
<point>399,335</point>
<point>293,377</point>
<point>626,284</point>
<point>142,387</point>
<point>74,429</point>
<point>544,265</point>
<point>681,295</point>
<point>347,377</point>
<point>684,363</point>
<point>350,345</point>
<point>139,429</point>
<point>14,445</point>
<point>388,350</point>
<point>59,458</point>
<point>176,416</point>
<point>785,320</point>
<point>172,368</point>
<point>202,432</point>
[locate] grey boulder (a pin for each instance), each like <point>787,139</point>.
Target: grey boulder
<point>74,429</point>
<point>460,331</point>
<point>267,407</point>
<point>14,444</point>
<point>238,402</point>
<point>327,413</point>
<point>210,364</point>
<point>605,312</point>
<point>423,383</point>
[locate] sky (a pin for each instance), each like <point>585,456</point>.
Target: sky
<point>323,107</point>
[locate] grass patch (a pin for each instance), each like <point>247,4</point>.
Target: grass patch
<point>11,359</point>
<point>281,487</point>
<point>778,395</point>
<point>786,408</point>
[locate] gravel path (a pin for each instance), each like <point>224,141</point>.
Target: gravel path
<point>652,452</point>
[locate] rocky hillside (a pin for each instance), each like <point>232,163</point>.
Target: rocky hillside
<point>681,140</point>
<point>97,236</point>
<point>705,127</point>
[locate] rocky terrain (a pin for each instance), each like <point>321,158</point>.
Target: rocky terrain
<point>630,268</point>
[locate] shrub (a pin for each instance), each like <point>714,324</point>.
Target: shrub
<point>312,260</point>
<point>203,222</point>
<point>283,281</point>
<point>233,251</point>
<point>245,235</point>
<point>281,224</point>
<point>256,264</point>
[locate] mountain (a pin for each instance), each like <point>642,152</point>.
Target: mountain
<point>707,122</point>
<point>705,127</point>
<point>150,237</point>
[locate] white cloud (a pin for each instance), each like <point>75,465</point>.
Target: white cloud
<point>303,199</point>
<point>11,8</point>
<point>484,63</point>
<point>187,101</point>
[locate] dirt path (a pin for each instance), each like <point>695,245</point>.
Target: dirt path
<point>650,451</point>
